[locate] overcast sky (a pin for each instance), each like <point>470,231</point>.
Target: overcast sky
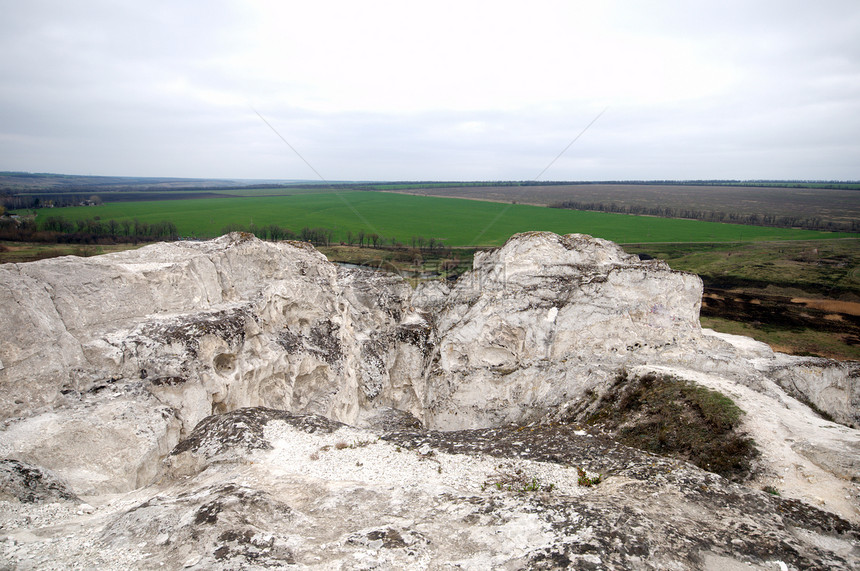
<point>462,90</point>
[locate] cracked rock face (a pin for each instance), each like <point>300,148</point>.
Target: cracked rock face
<point>204,397</point>
<point>542,307</point>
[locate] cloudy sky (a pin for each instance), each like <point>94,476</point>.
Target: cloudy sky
<point>461,90</point>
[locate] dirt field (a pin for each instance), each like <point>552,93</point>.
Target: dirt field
<point>829,305</point>
<point>829,204</point>
<point>826,328</point>
<point>14,252</point>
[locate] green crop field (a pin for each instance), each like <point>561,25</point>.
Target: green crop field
<point>456,222</point>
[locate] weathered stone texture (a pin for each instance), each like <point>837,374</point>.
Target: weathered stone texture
<point>189,376</point>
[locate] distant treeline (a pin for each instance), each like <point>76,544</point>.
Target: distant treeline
<point>87,189</point>
<point>57,186</point>
<point>326,237</point>
<point>27,202</point>
<point>806,223</point>
<point>831,184</point>
<point>316,236</point>
<point>417,185</point>
<point>56,229</point>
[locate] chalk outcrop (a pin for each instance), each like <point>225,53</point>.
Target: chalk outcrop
<point>207,382</point>
<point>518,335</point>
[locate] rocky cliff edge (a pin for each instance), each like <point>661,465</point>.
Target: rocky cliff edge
<point>139,374</point>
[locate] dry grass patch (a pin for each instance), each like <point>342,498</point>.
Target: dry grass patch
<point>673,417</point>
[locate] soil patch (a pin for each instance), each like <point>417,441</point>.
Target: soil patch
<point>830,305</point>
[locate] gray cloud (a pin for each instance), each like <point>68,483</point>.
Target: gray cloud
<point>442,91</point>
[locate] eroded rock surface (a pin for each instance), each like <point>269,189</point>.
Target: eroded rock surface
<point>31,484</point>
<point>310,494</point>
<point>203,396</point>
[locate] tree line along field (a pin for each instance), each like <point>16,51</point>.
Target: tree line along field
<point>807,206</point>
<point>42,198</point>
<point>399,217</point>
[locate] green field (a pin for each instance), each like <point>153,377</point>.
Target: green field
<point>456,222</point>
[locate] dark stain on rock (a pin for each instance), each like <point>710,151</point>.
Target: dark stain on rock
<point>391,539</point>
<point>289,341</point>
<point>228,325</point>
<point>244,428</point>
<point>417,334</point>
<point>208,513</point>
<point>322,341</point>
<point>252,548</point>
<point>31,484</point>
<point>169,381</point>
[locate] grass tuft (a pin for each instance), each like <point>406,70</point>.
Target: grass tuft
<point>672,417</point>
<point>515,480</point>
